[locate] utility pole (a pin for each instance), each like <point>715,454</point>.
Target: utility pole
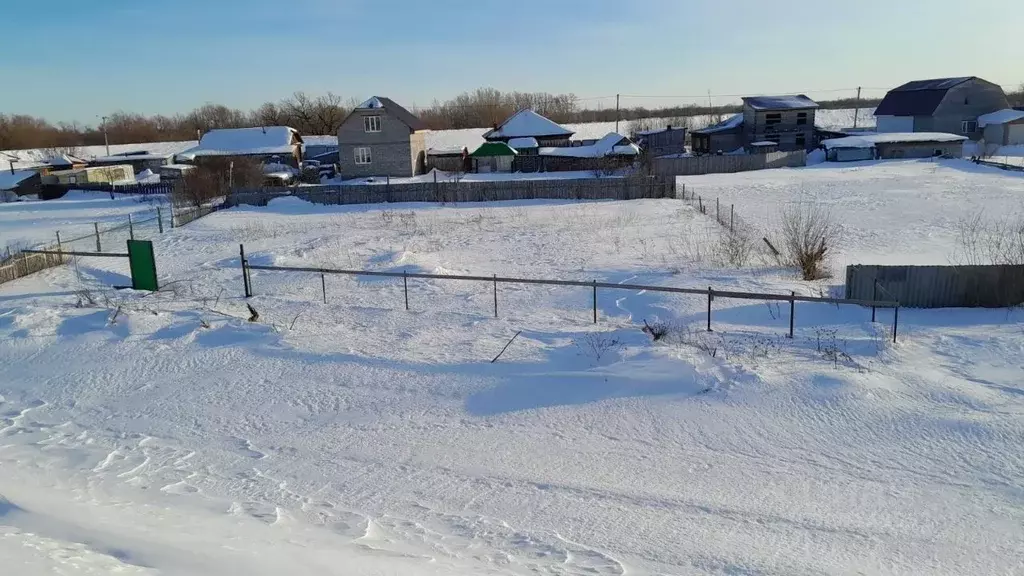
<point>616,113</point>
<point>856,109</point>
<point>106,141</point>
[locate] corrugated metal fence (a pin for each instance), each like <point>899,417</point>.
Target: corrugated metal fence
<point>630,188</point>
<point>711,164</point>
<point>993,286</point>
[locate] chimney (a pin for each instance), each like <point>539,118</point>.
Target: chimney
<point>669,128</point>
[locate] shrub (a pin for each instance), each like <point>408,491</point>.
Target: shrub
<point>808,233</point>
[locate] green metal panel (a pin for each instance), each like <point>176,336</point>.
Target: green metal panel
<point>488,149</point>
<point>143,265</point>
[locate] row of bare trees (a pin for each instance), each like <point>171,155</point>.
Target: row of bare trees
<point>323,114</point>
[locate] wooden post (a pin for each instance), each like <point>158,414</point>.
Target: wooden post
<point>60,249</point>
<point>405,285</point>
<point>96,227</point>
<point>323,286</point>
<point>131,229</point>
<point>245,272</point>
<point>895,320</point>
<point>718,210</point>
<point>792,312</point>
<point>595,301</point>
<point>160,219</point>
<point>700,204</point>
<point>710,296</point>
<point>874,298</point>
<point>495,295</point>
<point>732,215</point>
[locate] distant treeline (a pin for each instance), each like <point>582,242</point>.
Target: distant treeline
<point>323,114</point>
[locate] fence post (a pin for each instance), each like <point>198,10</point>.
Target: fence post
<point>323,286</point>
<point>96,227</point>
<point>160,219</point>
<point>874,298</point>
<point>718,210</point>
<point>495,295</point>
<point>405,286</point>
<point>792,312</point>
<point>700,204</point>
<point>732,215</point>
<point>60,249</point>
<point>245,272</point>
<point>895,320</point>
<point>595,301</point>
<point>709,308</point>
<point>131,229</point>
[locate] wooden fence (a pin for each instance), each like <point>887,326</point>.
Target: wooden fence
<point>995,286</point>
<point>713,164</point>
<point>610,188</point>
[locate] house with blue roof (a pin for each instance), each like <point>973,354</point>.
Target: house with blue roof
<point>784,123</point>
<point>948,105</point>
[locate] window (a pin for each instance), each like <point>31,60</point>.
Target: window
<point>969,126</point>
<point>772,138</point>
<point>773,119</point>
<point>801,118</point>
<point>371,124</point>
<point>363,154</point>
<point>801,140</point>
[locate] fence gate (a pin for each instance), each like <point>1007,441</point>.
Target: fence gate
<point>140,260</point>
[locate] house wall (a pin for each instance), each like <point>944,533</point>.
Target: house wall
<point>756,128</point>
<point>995,134</point>
<point>393,150</point>
<point>851,154</point>
<point>919,149</point>
<point>667,142</point>
<point>894,123</point>
<point>966,102</point>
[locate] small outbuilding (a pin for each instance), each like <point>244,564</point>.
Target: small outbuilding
<point>662,141</point>
<point>493,157</point>
<point>725,136</point>
<point>762,147</point>
<point>528,124</point>
<point>1003,128</point>
<point>894,145</point>
<point>19,183</point>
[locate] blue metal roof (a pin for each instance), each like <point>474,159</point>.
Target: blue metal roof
<point>933,84</point>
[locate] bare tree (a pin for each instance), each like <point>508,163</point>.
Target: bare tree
<point>808,233</point>
<point>215,178</point>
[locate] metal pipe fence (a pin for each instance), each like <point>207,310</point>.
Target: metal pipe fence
<point>710,292</point>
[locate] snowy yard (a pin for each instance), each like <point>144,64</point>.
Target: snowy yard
<point>892,212</point>
<point>162,433</point>
<point>34,223</point>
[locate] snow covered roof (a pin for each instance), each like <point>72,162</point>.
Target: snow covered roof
<point>869,140</point>
<point>395,109</point>
<point>917,98</point>
<point>10,181</point>
<point>730,123</point>
<point>63,160</point>
<point>524,123</point>
<point>610,145</point>
<point>450,151</point>
<point>764,143</point>
<point>523,142</point>
<point>245,141</point>
<point>323,140</point>
<point>128,156</point>
<point>1000,117</point>
<point>658,130</point>
<point>788,102</point>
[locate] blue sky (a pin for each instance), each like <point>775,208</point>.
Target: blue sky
<point>76,59</point>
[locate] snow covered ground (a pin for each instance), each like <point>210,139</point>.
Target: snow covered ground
<point>162,434</point>
<point>892,212</point>
<point>32,223</point>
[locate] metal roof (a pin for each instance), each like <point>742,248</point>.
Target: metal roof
<point>933,84</point>
<point>789,102</point>
<point>395,109</point>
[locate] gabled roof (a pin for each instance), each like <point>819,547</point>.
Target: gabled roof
<point>493,149</point>
<point>63,160</point>
<point>525,123</point>
<point>789,102</point>
<point>612,144</point>
<point>523,142</point>
<point>10,181</point>
<point>731,123</point>
<point>396,110</point>
<point>917,98</point>
<point>245,141</point>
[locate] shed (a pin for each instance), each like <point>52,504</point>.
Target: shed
<point>449,159</point>
<point>894,145</point>
<point>1003,128</point>
<point>725,136</point>
<point>663,141</point>
<point>493,157</point>
<point>20,182</point>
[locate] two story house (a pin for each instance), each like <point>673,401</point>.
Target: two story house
<point>785,120</point>
<point>947,105</point>
<point>381,138</point>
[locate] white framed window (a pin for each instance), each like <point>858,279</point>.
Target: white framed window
<point>969,126</point>
<point>362,155</point>
<point>371,124</point>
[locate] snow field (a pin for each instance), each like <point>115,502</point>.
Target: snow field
<point>892,212</point>
<point>357,436</point>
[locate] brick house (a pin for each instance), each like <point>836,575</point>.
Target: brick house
<point>381,138</point>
